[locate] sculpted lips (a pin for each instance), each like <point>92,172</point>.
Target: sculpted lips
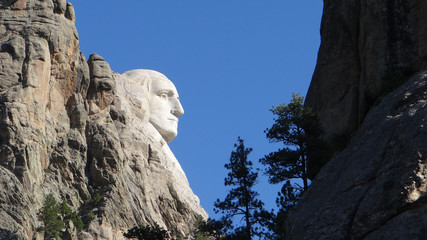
<point>173,119</point>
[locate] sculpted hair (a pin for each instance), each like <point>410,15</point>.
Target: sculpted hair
<point>133,88</point>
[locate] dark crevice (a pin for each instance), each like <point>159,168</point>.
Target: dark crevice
<point>26,61</point>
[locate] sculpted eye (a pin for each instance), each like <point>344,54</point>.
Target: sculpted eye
<point>163,95</point>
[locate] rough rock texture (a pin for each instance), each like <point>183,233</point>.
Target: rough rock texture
<point>44,78</point>
<point>63,132</point>
<point>367,48</point>
<point>377,187</point>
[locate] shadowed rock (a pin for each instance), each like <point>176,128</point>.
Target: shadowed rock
<point>377,187</point>
<point>367,49</point>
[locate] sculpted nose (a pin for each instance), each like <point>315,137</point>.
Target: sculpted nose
<point>177,110</point>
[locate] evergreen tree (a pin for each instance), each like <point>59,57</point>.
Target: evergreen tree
<point>69,215</point>
<point>50,216</point>
<point>242,199</point>
<point>296,126</point>
<point>56,217</point>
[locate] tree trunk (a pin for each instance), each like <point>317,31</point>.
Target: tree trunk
<point>248,223</point>
<point>304,173</point>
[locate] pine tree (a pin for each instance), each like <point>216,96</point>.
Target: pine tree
<point>296,126</point>
<point>50,216</point>
<point>56,216</point>
<point>242,199</point>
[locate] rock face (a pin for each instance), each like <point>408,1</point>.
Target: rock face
<point>377,187</point>
<point>67,129</point>
<point>367,48</point>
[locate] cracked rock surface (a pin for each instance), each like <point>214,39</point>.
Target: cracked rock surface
<point>63,132</point>
<point>377,187</point>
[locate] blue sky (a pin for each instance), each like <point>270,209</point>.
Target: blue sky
<point>231,61</point>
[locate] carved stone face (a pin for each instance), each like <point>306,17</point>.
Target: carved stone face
<point>165,107</point>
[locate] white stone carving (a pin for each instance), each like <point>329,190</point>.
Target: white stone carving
<point>165,107</point>
<point>159,98</point>
<point>151,103</point>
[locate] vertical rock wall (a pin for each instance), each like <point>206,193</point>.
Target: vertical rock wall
<point>376,187</point>
<point>42,77</point>
<point>63,132</point>
<point>367,48</point>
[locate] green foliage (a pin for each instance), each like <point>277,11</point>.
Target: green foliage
<point>212,228</point>
<point>55,217</point>
<point>89,208</point>
<point>239,233</point>
<point>288,196</point>
<point>91,216</point>
<point>143,232</point>
<point>69,215</point>
<point>242,199</point>
<point>283,165</point>
<point>286,200</point>
<point>297,127</point>
<point>49,215</point>
<point>201,236</point>
<point>96,199</point>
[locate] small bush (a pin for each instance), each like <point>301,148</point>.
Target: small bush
<point>96,199</point>
<point>69,215</point>
<point>91,216</point>
<point>143,232</point>
<point>212,228</point>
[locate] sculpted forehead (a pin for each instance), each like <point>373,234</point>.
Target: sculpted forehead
<point>139,83</point>
<point>162,84</point>
<point>143,75</point>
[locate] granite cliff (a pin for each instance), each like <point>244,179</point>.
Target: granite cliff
<point>369,84</point>
<point>367,48</point>
<point>376,188</point>
<point>67,129</point>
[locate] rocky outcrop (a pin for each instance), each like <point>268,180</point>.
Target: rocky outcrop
<point>42,73</point>
<point>367,48</point>
<point>369,86</point>
<point>377,187</point>
<point>64,131</point>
